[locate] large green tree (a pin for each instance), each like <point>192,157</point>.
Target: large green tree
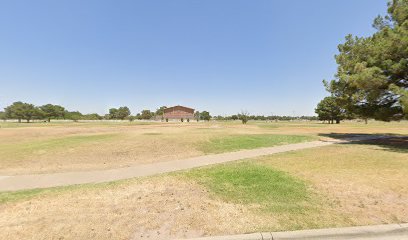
<point>75,115</point>
<point>52,111</point>
<point>197,116</point>
<point>329,110</point>
<point>3,116</point>
<point>92,116</point>
<point>122,113</point>
<point>160,111</point>
<point>20,110</point>
<point>244,116</point>
<point>372,75</point>
<point>113,112</point>
<point>146,114</point>
<point>205,115</point>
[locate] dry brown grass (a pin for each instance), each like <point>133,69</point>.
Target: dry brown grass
<point>129,145</point>
<point>355,184</point>
<point>159,208</point>
<point>365,183</point>
<point>133,144</point>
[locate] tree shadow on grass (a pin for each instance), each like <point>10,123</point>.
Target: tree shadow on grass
<point>389,142</point>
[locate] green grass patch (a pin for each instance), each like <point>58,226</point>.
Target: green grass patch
<point>238,142</point>
<point>6,197</point>
<point>22,195</point>
<point>43,146</point>
<point>249,183</point>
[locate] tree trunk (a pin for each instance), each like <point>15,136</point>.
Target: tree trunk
<point>366,121</point>
<point>19,120</point>
<point>49,119</point>
<point>337,121</point>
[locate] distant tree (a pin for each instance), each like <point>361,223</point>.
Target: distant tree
<point>122,113</point>
<point>234,117</point>
<point>75,116</point>
<point>20,110</point>
<point>205,115</point>
<point>219,118</point>
<point>113,113</point>
<point>52,111</point>
<point>3,116</point>
<point>92,116</point>
<point>132,118</point>
<point>197,116</point>
<point>160,111</point>
<point>146,114</point>
<point>329,110</point>
<point>244,117</point>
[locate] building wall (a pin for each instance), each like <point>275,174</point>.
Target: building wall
<point>179,112</point>
<point>178,115</point>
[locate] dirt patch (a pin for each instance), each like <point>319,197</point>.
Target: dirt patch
<point>162,208</point>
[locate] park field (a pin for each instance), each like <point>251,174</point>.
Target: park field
<point>338,185</point>
<point>61,147</point>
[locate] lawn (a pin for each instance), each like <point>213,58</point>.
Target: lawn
<point>238,142</point>
<point>249,183</point>
<point>42,146</point>
<point>332,186</point>
<point>58,147</point>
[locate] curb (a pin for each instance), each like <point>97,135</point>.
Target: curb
<point>397,230</point>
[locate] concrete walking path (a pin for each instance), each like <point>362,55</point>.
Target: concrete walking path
<point>377,232</point>
<point>20,182</point>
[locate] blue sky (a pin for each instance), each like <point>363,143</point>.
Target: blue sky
<point>218,55</point>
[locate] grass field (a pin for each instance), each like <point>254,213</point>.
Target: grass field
<point>58,147</point>
<point>337,185</point>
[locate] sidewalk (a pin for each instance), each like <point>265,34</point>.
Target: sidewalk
<point>378,232</point>
<point>20,182</point>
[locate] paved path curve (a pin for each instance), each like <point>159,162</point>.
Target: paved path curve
<point>20,182</point>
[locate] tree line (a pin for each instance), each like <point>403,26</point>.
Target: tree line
<point>265,118</point>
<point>28,112</point>
<point>372,75</point>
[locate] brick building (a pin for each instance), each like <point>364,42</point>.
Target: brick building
<point>178,112</point>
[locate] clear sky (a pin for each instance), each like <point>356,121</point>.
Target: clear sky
<point>218,55</point>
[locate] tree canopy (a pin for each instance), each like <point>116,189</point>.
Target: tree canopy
<point>74,115</point>
<point>122,113</point>
<point>160,111</point>
<point>197,115</point>
<point>146,114</point>
<point>52,111</point>
<point>372,75</point>
<point>329,110</point>
<point>3,116</point>
<point>119,113</point>
<point>205,115</point>
<point>20,110</point>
